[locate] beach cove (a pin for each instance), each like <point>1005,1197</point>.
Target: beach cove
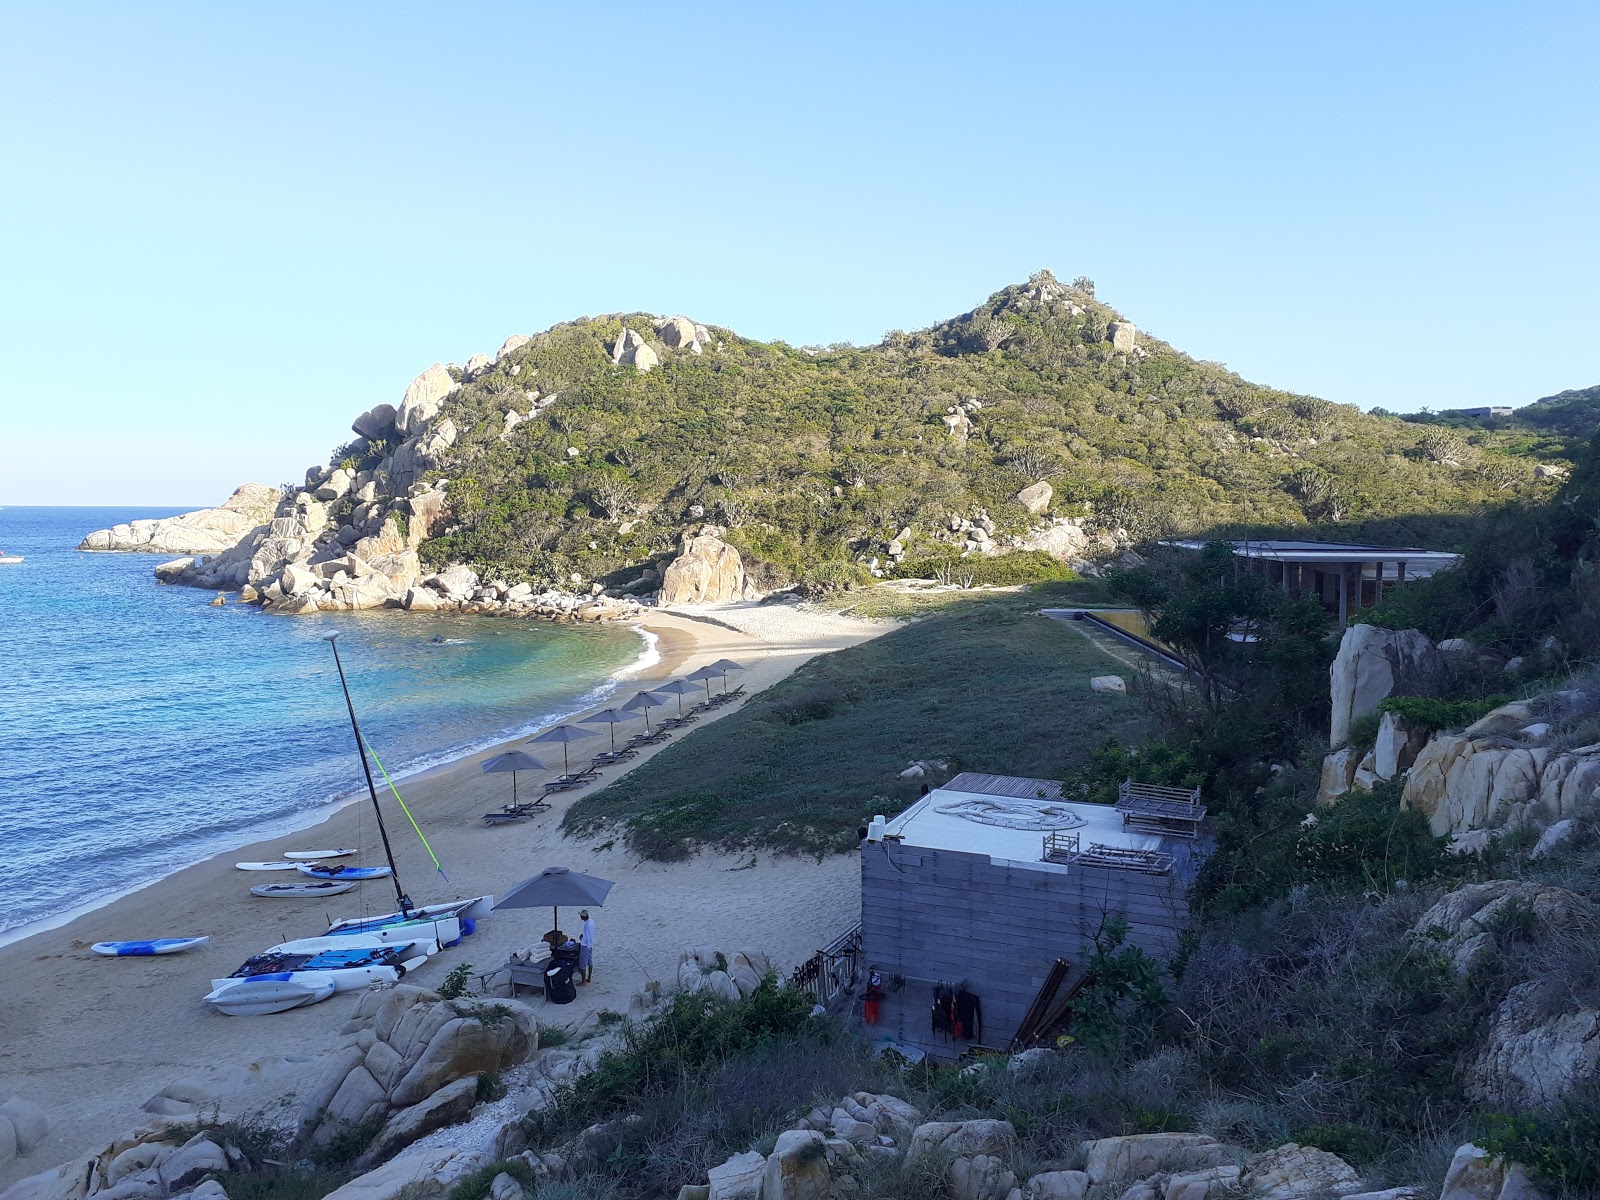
<point>90,1040</point>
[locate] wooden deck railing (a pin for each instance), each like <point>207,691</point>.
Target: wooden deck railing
<point>833,969</point>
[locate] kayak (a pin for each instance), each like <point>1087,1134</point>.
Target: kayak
<point>266,866</point>
<point>312,855</point>
<point>278,992</point>
<point>320,871</point>
<point>294,891</point>
<point>151,946</point>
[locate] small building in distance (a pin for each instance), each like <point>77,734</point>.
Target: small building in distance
<point>1493,411</point>
<point>1345,577</point>
<point>995,886</point>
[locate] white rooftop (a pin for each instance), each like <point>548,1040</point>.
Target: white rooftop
<point>1009,828</point>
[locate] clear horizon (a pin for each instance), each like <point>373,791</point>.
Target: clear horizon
<point>241,228</point>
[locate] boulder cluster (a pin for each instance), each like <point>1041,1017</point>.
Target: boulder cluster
<point>1498,773</point>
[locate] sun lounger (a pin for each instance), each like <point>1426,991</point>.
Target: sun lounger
<point>608,757</point>
<point>514,812</point>
<point>568,784</point>
<point>678,722</point>
<point>647,739</point>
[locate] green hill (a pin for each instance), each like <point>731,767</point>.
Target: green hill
<point>814,458</point>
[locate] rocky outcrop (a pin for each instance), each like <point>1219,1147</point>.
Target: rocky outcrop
<point>1064,539</point>
<point>1142,1154</point>
<point>706,571</point>
<point>707,969</point>
<point>1398,743</point>
<point>418,1175</point>
<point>204,531</point>
<point>1375,663</point>
<point>680,333</point>
<point>1036,497</point>
<point>406,1047</point>
<point>1123,336</point>
<point>1475,1174</point>
<point>1464,782</point>
<point>423,399</point>
<point>23,1129</point>
<point>1338,774</point>
<point>1531,1058</point>
<point>631,350</point>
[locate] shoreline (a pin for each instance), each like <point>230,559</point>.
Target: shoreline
<point>651,658</point>
<point>92,1039</point>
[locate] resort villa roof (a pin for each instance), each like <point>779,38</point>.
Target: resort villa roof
<point>1344,576</point>
<point>972,815</point>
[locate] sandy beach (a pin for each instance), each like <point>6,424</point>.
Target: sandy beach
<point>90,1039</point>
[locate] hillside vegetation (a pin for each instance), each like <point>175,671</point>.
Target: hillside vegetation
<point>819,456</point>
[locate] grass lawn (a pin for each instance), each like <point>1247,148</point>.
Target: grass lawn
<point>985,686</point>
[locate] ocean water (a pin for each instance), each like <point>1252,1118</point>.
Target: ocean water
<point>142,730</point>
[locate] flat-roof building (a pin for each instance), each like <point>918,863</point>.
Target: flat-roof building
<point>1344,576</point>
<point>987,884</point>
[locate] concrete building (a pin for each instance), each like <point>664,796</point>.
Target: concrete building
<point>1343,576</point>
<point>989,882</point>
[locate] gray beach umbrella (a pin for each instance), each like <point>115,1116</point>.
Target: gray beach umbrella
<point>723,666</point>
<point>563,734</point>
<point>609,716</point>
<point>680,688</point>
<point>513,761</point>
<point>705,675</point>
<point>643,703</point>
<point>556,886</point>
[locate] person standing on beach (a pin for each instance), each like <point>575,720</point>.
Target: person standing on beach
<point>586,947</point>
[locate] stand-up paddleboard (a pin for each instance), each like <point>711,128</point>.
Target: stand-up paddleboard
<point>151,946</point>
<point>312,855</point>
<point>329,871</point>
<point>266,866</point>
<point>300,890</point>
<point>274,993</point>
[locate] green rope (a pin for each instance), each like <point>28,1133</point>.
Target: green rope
<point>404,809</point>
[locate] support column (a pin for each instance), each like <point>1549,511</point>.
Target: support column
<point>1344,595</point>
<point>1401,577</point>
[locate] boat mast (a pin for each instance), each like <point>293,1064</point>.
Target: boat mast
<point>372,790</point>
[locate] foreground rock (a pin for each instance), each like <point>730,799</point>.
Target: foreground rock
<point>1373,664</point>
<point>204,531</point>
<point>412,1061</point>
<point>706,571</point>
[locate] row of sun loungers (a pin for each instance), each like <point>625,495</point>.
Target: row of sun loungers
<point>630,749</point>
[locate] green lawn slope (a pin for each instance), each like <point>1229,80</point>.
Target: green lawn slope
<point>987,685</point>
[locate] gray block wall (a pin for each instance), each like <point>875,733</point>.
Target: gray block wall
<point>939,915</point>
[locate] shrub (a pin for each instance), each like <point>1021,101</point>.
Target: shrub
<point>476,1184</point>
<point>1435,714</point>
<point>455,982</point>
<point>1005,570</point>
<point>1560,1146</point>
<point>823,578</point>
<point>813,704</point>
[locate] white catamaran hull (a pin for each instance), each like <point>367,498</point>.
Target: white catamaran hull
<point>271,994</point>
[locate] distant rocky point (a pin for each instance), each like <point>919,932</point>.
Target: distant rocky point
<point>204,531</point>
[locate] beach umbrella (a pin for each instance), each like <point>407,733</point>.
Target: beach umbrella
<point>563,734</point>
<point>679,688</point>
<point>513,761</point>
<point>643,703</point>
<point>556,886</point>
<point>705,675</point>
<point>725,665</point>
<point>609,716</point>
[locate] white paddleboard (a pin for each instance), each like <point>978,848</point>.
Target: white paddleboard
<point>148,947</point>
<point>309,855</point>
<point>265,866</point>
<point>293,891</point>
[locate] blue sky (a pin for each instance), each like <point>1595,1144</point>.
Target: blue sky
<point>230,228</point>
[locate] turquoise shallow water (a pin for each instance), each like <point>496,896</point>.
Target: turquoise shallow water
<point>141,730</point>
